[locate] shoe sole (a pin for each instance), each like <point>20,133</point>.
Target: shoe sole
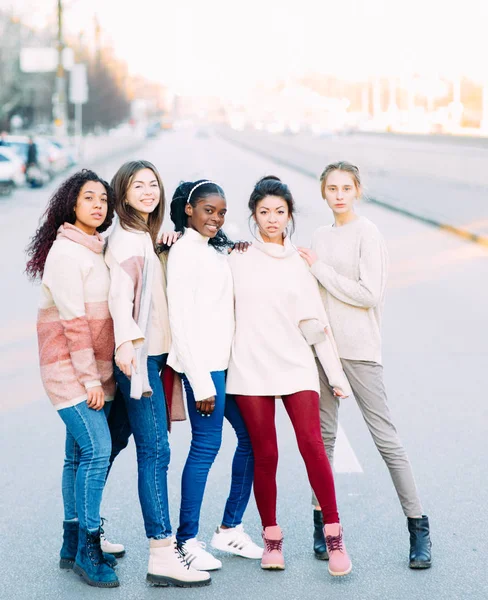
<point>420,565</point>
<point>116,554</point>
<point>66,563</point>
<point>273,567</point>
<point>340,573</point>
<point>101,584</point>
<point>322,556</point>
<point>161,581</point>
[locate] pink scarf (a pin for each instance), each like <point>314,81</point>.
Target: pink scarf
<point>94,242</point>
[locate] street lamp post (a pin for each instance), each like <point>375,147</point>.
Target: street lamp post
<point>60,111</point>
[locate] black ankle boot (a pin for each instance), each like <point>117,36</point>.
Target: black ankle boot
<point>420,544</point>
<point>319,546</point>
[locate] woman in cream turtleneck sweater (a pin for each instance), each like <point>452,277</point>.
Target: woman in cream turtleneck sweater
<point>276,302</point>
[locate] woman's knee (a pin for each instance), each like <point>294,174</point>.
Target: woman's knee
<point>153,449</point>
<point>206,446</point>
<point>311,448</point>
<point>266,460</point>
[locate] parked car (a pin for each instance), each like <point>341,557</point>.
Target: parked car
<point>12,171</point>
<point>58,160</point>
<point>20,145</point>
<point>67,152</point>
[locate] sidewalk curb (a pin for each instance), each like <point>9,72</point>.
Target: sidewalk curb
<point>458,231</point>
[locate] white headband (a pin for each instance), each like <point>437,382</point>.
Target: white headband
<point>195,187</point>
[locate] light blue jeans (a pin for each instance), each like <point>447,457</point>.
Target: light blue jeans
<point>149,424</point>
<point>87,454</point>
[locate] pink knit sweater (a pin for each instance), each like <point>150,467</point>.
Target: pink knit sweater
<point>74,326</point>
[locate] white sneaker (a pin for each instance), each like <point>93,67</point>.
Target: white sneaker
<point>197,557</point>
<point>168,566</point>
<point>236,541</point>
<point>117,550</point>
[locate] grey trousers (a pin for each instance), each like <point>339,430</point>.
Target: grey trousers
<point>366,379</point>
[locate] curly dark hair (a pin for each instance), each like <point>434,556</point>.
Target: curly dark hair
<point>60,210</point>
<point>179,217</point>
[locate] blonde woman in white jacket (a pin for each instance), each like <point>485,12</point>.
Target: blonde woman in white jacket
<point>278,305</point>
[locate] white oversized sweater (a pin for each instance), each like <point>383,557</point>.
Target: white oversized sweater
<point>352,270</point>
<point>201,311</point>
<point>274,294</point>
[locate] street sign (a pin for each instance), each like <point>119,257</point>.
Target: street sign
<point>78,89</point>
<point>44,60</point>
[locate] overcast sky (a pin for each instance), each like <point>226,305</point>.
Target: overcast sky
<point>225,45</point>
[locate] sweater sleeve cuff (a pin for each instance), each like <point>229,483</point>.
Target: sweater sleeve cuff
<point>91,384</point>
<point>312,330</point>
<point>138,342</point>
<point>204,390</point>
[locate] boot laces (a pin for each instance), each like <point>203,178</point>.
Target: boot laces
<point>93,548</point>
<point>102,532</point>
<point>273,544</point>
<point>181,555</point>
<point>334,542</point>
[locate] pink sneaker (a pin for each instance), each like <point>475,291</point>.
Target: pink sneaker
<point>273,548</point>
<point>339,561</point>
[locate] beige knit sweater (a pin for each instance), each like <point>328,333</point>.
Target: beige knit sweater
<point>352,270</point>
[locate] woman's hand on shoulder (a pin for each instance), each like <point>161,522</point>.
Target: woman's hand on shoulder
<point>169,238</point>
<point>125,358</point>
<point>309,255</point>
<point>240,247</point>
<point>95,398</point>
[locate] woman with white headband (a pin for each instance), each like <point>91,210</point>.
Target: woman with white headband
<point>201,315</point>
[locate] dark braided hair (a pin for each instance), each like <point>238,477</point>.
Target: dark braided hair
<point>60,210</point>
<point>179,217</point>
<point>273,186</point>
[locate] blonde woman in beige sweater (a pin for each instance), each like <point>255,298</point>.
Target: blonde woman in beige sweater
<point>275,296</point>
<point>350,261</point>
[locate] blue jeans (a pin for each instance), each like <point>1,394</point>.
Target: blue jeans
<point>87,454</point>
<point>205,444</point>
<point>148,421</point>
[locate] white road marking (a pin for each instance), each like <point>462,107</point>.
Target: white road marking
<point>345,459</point>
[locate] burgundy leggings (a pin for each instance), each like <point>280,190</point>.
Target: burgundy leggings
<point>258,413</point>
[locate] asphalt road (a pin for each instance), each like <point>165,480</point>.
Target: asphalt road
<point>435,365</point>
<point>438,178</point>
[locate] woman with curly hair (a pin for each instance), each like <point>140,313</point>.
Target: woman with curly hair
<point>76,344</point>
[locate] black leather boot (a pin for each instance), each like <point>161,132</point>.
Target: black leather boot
<point>319,546</point>
<point>420,544</point>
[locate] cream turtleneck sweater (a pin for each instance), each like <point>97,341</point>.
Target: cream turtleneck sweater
<point>275,293</point>
<point>201,311</point>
